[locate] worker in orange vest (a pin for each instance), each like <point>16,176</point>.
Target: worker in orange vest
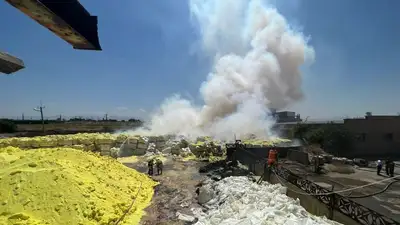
<point>272,157</point>
<point>271,162</point>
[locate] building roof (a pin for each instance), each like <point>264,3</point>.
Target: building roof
<point>375,117</point>
<point>10,64</point>
<point>313,122</point>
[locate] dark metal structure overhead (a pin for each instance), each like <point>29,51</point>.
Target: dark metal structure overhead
<point>68,19</point>
<point>10,64</point>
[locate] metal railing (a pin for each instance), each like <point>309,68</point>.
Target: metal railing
<point>346,206</point>
<point>334,201</point>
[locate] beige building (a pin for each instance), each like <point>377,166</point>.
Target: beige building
<point>375,135</point>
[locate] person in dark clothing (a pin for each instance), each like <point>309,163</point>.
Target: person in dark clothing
<point>379,167</point>
<point>391,168</point>
<point>387,166</point>
<point>150,164</point>
<point>159,165</point>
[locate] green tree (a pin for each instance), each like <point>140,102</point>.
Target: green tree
<point>333,138</point>
<point>300,130</point>
<point>7,126</point>
<point>316,136</point>
<point>338,140</point>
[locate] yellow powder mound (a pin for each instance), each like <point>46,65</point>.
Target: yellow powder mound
<point>68,186</point>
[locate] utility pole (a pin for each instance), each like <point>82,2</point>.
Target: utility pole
<point>23,116</point>
<point>40,109</point>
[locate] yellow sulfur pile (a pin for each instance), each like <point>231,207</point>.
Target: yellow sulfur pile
<point>271,142</point>
<point>68,186</point>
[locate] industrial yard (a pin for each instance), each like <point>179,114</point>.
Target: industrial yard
<point>182,194</point>
<point>175,196</point>
<point>227,154</point>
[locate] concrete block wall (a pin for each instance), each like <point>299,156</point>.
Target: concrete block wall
<point>298,156</point>
<point>256,155</point>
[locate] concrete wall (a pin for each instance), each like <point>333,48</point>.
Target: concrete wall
<point>254,158</point>
<point>261,153</point>
<point>376,135</point>
<point>298,156</point>
<point>312,204</point>
<point>372,131</point>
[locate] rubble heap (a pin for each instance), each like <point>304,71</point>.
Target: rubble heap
<point>238,200</point>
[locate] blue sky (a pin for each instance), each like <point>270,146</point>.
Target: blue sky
<point>149,54</point>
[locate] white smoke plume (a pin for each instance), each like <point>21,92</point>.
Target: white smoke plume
<point>256,68</point>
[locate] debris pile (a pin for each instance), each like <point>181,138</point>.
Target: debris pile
<point>221,169</point>
<point>238,200</point>
<point>122,145</point>
<point>69,186</point>
<point>342,160</point>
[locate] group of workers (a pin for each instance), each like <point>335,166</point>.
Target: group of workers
<point>159,166</point>
<point>389,166</point>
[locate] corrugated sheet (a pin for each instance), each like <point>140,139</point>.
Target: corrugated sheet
<point>10,64</point>
<point>313,122</point>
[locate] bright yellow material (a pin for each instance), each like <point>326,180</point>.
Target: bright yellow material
<point>59,140</point>
<point>190,157</point>
<point>67,186</point>
<point>271,142</point>
<point>155,157</point>
<point>89,140</point>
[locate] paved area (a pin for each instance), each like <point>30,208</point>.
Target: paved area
<point>387,203</point>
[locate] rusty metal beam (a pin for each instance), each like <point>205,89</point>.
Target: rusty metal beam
<point>68,19</point>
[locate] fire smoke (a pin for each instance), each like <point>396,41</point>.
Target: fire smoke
<point>257,59</point>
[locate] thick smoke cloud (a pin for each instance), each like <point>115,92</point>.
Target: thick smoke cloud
<point>257,59</point>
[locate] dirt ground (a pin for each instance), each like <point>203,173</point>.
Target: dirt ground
<point>175,193</point>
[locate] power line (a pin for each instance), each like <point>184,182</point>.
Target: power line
<point>40,109</point>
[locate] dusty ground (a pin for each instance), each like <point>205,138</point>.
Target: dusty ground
<point>176,192</point>
<point>387,203</point>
